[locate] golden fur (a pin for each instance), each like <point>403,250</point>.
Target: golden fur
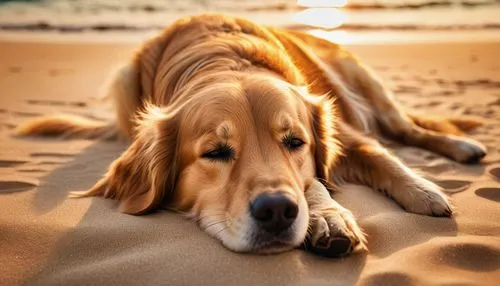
<point>212,80</point>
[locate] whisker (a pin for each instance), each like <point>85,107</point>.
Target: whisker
<point>207,221</point>
<point>214,224</point>
<point>214,214</point>
<point>221,230</point>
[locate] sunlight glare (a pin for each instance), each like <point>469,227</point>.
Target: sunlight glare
<point>327,18</point>
<point>339,37</point>
<point>322,3</point>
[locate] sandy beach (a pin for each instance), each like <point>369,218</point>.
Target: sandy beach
<point>48,239</point>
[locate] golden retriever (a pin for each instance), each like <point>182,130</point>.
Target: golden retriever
<point>235,124</point>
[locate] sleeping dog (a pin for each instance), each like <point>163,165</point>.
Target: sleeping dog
<point>246,129</point>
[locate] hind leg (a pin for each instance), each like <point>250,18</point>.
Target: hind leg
<point>342,70</point>
<point>440,136</point>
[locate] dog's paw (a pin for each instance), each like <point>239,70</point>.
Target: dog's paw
<point>424,197</point>
<point>466,150</point>
<point>334,233</point>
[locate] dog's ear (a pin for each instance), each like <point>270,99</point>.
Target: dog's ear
<point>142,177</point>
<point>326,146</point>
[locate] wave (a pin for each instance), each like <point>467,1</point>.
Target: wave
<point>380,5</point>
<point>151,6</point>
<point>421,5</point>
<point>48,27</point>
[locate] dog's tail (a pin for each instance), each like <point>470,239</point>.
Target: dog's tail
<point>68,126</point>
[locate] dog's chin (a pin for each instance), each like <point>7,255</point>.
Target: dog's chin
<point>264,243</point>
<point>255,240</point>
<point>273,247</point>
<point>275,244</point>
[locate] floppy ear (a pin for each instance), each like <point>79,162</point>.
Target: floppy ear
<point>146,172</point>
<point>326,146</point>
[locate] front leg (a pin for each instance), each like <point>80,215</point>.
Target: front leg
<point>365,161</point>
<point>333,231</point>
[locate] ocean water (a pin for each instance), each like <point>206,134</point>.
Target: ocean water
<point>360,16</point>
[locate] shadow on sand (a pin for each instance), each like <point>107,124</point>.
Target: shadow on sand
<point>108,247</point>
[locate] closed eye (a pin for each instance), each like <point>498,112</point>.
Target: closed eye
<point>222,152</point>
<point>292,142</point>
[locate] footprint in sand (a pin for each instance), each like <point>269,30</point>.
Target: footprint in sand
<point>407,89</point>
<point>470,256</point>
<point>453,186</point>
<point>27,114</point>
<point>420,79</point>
<point>31,170</point>
<point>57,155</point>
<point>456,105</point>
<point>50,163</point>
<point>10,163</point>
<point>492,194</point>
<point>57,103</point>
<point>441,81</point>
<point>495,172</point>
<point>495,103</point>
<point>7,187</point>
<point>445,92</point>
<point>428,104</point>
<point>396,278</point>
<point>8,125</point>
<point>15,69</point>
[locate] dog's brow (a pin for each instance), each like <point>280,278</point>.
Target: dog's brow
<point>223,130</point>
<point>284,122</point>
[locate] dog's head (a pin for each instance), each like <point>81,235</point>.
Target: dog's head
<point>237,156</point>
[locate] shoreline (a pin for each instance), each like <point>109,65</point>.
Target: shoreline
<point>339,36</point>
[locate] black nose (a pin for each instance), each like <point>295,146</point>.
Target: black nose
<point>274,212</point>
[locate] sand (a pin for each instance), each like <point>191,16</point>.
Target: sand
<point>47,239</point>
